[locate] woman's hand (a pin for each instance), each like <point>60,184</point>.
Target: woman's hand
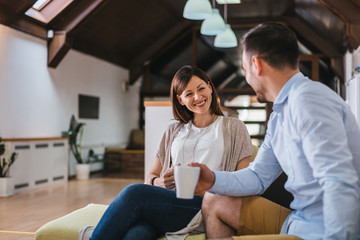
<point>166,180</point>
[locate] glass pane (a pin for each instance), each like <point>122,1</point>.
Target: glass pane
<point>252,114</point>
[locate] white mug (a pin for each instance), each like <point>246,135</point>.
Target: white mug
<point>186,178</point>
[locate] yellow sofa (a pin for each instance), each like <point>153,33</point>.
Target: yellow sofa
<point>68,226</point>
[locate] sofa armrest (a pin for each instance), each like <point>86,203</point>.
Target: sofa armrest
<point>266,237</point>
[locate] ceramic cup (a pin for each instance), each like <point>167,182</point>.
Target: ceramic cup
<point>186,179</point>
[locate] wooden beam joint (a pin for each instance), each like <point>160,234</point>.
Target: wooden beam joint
<point>58,46</point>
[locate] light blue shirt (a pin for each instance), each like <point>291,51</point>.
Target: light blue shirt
<point>314,138</point>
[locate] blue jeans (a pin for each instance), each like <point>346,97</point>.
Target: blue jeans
<point>143,211</point>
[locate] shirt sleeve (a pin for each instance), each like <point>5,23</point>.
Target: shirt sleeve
<point>324,141</point>
<point>252,180</point>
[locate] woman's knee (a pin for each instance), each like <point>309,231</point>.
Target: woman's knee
<point>133,191</point>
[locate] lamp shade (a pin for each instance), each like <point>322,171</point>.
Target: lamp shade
<point>213,25</point>
<point>197,9</point>
<point>226,39</point>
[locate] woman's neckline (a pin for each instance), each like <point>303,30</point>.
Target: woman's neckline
<point>215,118</point>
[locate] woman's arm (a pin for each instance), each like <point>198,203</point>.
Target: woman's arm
<point>155,170</point>
<point>244,163</point>
<point>165,181</point>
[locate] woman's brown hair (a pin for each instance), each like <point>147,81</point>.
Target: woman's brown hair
<point>179,82</point>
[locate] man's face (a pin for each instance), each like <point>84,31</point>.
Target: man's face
<point>252,79</point>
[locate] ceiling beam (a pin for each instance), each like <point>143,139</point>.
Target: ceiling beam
<point>58,47</point>
<point>18,6</point>
<point>78,13</point>
<point>352,34</point>
<point>21,22</point>
<point>158,48</point>
<point>348,12</point>
<point>308,32</point>
<point>64,29</point>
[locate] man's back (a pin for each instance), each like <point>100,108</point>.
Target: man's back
<point>314,137</point>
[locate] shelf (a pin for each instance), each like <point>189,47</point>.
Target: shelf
<point>257,136</point>
<point>254,122</point>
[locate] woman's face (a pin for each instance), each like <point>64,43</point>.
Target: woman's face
<point>196,96</point>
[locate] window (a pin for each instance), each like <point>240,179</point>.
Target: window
<point>45,10</point>
<point>252,113</point>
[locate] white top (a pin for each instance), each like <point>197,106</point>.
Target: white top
<point>203,145</point>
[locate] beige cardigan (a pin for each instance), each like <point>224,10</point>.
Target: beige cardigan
<point>237,145</point>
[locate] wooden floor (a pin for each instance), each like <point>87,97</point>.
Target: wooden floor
<point>25,212</point>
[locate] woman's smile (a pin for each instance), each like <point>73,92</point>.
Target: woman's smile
<point>200,104</point>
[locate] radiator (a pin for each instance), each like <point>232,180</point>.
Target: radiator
<point>39,162</point>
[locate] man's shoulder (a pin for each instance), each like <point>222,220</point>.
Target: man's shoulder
<point>309,89</point>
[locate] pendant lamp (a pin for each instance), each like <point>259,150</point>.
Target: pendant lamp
<point>226,39</point>
<point>213,25</point>
<point>197,9</point>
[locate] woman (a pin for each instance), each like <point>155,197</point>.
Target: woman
<point>202,134</point>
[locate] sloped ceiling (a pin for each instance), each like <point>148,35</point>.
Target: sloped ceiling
<point>136,33</point>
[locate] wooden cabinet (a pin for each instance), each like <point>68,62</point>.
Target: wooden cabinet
<point>124,160</point>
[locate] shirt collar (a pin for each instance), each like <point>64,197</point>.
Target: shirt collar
<point>284,92</point>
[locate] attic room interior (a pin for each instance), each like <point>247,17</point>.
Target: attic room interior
<point>110,64</point>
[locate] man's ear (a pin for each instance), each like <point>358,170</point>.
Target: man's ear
<point>180,100</point>
<point>256,64</point>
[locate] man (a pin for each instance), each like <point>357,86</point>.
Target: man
<point>312,136</point>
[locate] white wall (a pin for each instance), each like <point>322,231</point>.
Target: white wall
<point>157,118</point>
<point>37,101</point>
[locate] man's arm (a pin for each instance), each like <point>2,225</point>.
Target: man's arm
<point>252,180</point>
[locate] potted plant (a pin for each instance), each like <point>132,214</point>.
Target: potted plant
<point>6,182</point>
<point>82,168</point>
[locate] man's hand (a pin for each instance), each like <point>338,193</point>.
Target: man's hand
<point>206,178</point>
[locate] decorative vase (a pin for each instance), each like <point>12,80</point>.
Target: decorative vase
<point>7,186</point>
<point>82,171</point>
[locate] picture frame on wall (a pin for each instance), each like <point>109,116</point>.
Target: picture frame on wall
<point>88,106</point>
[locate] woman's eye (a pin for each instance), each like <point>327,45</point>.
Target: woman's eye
<point>188,95</point>
<point>200,89</point>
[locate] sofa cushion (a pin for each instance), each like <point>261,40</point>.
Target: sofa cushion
<point>68,226</point>
<point>266,237</point>
<point>191,237</point>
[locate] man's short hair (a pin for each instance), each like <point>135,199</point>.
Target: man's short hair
<point>274,43</point>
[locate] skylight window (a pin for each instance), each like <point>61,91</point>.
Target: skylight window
<point>40,4</point>
<point>45,10</point>
<point>228,1</point>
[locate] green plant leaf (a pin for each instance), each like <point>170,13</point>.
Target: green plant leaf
<point>74,129</point>
<point>5,164</point>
